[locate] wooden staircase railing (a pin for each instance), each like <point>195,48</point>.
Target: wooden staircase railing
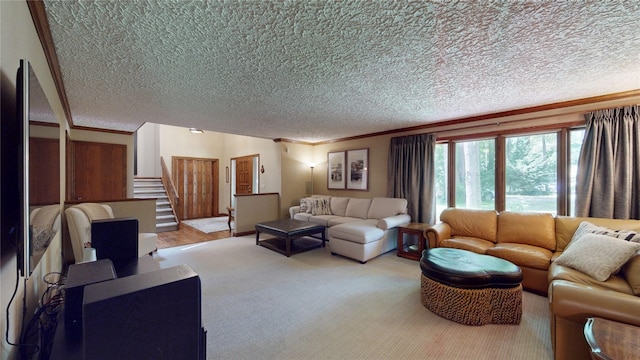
<point>172,192</point>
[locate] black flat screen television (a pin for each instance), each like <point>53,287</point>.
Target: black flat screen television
<point>15,177</point>
<point>22,192</point>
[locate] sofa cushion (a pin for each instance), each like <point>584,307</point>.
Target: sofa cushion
<point>538,229</point>
<point>339,205</point>
<point>471,223</point>
<point>361,232</point>
<point>382,207</point>
<point>615,283</point>
<point>525,255</point>
<point>631,272</point>
<point>323,220</point>
<point>358,208</point>
<point>342,220</point>
<point>598,256</point>
<point>476,245</point>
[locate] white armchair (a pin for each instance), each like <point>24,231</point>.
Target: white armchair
<point>79,219</point>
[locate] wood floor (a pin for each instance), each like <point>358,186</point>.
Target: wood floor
<point>187,235</point>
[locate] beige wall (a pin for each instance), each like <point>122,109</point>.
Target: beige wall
<point>156,140</point>
<point>143,210</point>
<point>295,174</point>
<point>269,151</point>
<point>19,40</point>
<point>253,209</point>
<point>178,141</point>
<point>44,132</point>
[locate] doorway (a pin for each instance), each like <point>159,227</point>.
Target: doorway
<point>197,184</point>
<point>244,176</point>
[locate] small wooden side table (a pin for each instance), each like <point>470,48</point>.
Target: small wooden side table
<point>612,340</point>
<point>411,241</point>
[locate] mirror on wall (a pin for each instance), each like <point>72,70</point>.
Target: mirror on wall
<point>44,171</point>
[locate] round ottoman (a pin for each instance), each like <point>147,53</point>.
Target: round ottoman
<point>470,288</point>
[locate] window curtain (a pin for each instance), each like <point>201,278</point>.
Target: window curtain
<point>411,174</point>
<point>608,179</point>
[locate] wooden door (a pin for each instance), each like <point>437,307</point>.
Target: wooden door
<point>196,180</point>
<point>97,171</point>
<point>244,175</point>
<point>44,171</point>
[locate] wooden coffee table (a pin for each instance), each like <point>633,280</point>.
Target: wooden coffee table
<point>612,340</point>
<point>289,236</point>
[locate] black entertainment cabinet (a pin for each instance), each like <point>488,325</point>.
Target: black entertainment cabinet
<point>144,313</point>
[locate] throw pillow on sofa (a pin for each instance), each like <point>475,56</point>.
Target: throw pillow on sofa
<point>586,227</point>
<point>320,206</point>
<point>305,205</point>
<point>598,256</point>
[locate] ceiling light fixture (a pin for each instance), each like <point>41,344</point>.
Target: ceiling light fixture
<point>196,131</point>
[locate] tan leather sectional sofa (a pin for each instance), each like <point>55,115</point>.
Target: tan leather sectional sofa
<point>534,241</point>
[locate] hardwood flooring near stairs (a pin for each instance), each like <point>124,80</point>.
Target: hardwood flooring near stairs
<point>187,235</point>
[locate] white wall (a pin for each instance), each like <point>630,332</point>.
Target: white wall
<point>148,151</point>
<point>19,40</point>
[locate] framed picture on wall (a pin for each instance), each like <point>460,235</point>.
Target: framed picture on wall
<point>358,169</point>
<point>335,170</point>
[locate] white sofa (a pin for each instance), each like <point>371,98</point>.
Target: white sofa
<point>79,219</point>
<point>359,229</point>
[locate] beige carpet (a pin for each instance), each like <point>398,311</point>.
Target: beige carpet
<point>258,304</point>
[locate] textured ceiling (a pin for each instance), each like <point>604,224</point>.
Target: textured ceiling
<point>321,70</point>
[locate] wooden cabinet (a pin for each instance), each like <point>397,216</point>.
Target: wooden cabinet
<point>411,241</point>
<point>96,171</point>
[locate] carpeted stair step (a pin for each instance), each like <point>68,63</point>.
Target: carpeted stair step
<point>169,226</point>
<point>152,188</point>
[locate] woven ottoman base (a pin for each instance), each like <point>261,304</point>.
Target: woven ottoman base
<point>472,306</point>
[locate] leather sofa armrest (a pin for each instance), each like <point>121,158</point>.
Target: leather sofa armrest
<point>436,233</point>
<point>577,302</point>
<point>294,210</point>
<point>393,221</point>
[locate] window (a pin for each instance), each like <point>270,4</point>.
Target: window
<point>475,174</point>
<point>531,173</point>
<point>575,144</point>
<point>441,175</point>
<point>514,171</point>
